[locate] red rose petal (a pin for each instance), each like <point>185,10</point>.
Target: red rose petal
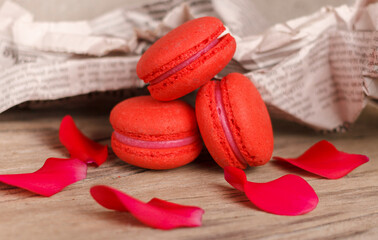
<point>80,146</point>
<point>236,177</point>
<point>288,195</point>
<point>51,178</point>
<point>156,213</point>
<point>325,160</point>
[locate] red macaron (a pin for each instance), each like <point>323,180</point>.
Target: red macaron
<point>186,58</point>
<point>153,134</point>
<point>234,122</point>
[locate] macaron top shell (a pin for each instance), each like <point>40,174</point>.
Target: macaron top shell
<point>248,120</point>
<point>177,46</point>
<point>145,118</point>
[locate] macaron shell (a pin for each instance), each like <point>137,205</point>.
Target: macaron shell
<point>197,73</point>
<point>177,46</point>
<point>145,118</point>
<point>250,122</point>
<point>211,128</point>
<point>157,159</point>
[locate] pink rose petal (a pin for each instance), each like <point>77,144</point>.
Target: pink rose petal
<point>51,178</point>
<point>288,195</point>
<point>80,146</point>
<point>325,160</point>
<point>156,213</point>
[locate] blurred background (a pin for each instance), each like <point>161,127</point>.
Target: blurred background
<point>63,10</point>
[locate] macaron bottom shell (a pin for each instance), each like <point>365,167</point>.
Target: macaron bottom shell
<point>157,159</point>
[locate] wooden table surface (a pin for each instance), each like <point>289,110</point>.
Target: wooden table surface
<point>348,207</point>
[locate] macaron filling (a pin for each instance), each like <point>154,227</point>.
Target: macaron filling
<point>185,63</point>
<point>155,144</point>
<point>225,123</point>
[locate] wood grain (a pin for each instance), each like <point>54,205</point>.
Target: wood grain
<point>348,207</point>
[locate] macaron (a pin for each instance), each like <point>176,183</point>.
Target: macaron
<point>234,122</point>
<point>186,58</point>
<point>153,134</point>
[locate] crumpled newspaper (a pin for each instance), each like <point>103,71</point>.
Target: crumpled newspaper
<point>318,70</point>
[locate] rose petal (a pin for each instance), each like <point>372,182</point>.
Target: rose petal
<point>156,213</point>
<point>51,178</point>
<point>236,177</point>
<point>80,146</point>
<point>288,195</point>
<point>325,160</point>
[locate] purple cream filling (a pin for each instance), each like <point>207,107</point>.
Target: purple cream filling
<point>154,144</point>
<point>225,124</point>
<point>184,63</point>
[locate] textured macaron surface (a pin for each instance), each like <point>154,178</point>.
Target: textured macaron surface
<point>186,58</point>
<point>177,46</point>
<point>145,118</point>
<point>247,117</point>
<point>165,158</point>
<point>155,135</point>
<point>197,73</point>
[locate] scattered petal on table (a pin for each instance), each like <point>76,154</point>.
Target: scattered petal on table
<point>235,177</point>
<point>156,213</point>
<point>51,178</point>
<point>80,146</point>
<point>287,195</point>
<point>325,160</point>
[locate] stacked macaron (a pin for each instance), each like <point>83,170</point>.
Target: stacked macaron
<point>160,132</point>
